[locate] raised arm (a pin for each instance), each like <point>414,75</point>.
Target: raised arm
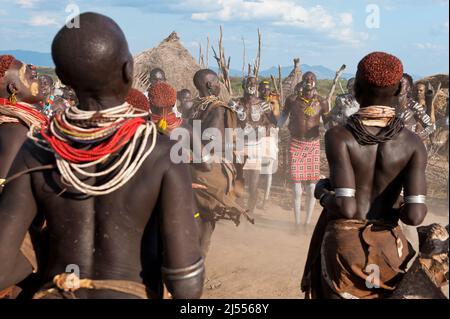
<point>424,119</point>
<point>342,177</point>
<point>285,113</point>
<point>17,211</point>
<point>325,111</point>
<point>183,269</point>
<point>414,210</point>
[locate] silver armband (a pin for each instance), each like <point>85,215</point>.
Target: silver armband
<point>184,273</point>
<point>344,192</point>
<point>415,199</point>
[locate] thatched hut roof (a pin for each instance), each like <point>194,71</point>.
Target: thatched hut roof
<point>176,61</point>
<point>435,79</point>
<point>440,104</point>
<point>292,80</point>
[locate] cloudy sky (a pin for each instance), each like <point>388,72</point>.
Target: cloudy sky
<point>325,33</point>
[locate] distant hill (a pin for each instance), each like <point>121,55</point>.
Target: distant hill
<point>45,60</point>
<point>320,71</point>
<point>31,57</point>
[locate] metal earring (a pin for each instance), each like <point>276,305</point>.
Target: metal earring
<point>13,98</point>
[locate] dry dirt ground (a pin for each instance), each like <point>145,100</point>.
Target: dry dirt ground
<point>266,260</point>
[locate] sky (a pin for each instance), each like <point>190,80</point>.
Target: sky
<point>328,33</point>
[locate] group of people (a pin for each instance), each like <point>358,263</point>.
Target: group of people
<point>90,184</point>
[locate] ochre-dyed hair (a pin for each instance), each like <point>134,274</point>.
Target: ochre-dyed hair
<point>5,63</point>
<point>138,100</point>
<point>380,69</point>
<point>162,95</point>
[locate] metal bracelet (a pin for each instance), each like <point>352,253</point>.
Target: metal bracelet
<point>184,273</point>
<point>344,192</point>
<point>415,199</point>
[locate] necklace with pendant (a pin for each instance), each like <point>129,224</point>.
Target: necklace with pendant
<point>309,111</point>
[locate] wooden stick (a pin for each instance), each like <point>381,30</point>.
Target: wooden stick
<point>433,111</point>
<point>280,84</point>
<point>333,87</point>
<point>342,89</point>
<point>207,52</point>
<point>258,56</point>
<point>274,82</point>
<point>223,63</point>
<point>244,58</point>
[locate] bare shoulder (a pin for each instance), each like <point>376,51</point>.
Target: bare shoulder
<point>10,131</point>
<point>161,151</point>
<point>337,135</point>
<point>319,98</point>
<point>291,98</point>
<point>407,137</point>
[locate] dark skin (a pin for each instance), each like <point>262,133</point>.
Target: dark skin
<point>267,120</point>
<point>302,126</point>
<point>266,94</point>
<point>156,75</point>
<point>421,90</point>
<point>186,103</point>
<point>46,84</point>
<point>207,83</point>
<point>264,90</point>
<point>113,236</point>
<point>405,93</point>
<point>250,98</point>
<point>377,172</point>
<point>21,79</point>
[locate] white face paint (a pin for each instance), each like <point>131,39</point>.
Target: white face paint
<point>175,110</point>
<point>252,90</point>
<point>310,85</point>
<point>34,88</point>
<point>23,76</point>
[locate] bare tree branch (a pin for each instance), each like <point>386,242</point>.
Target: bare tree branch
<point>258,56</point>
<point>280,83</point>
<point>275,85</point>
<point>333,87</point>
<point>207,52</point>
<point>223,63</point>
<point>244,58</point>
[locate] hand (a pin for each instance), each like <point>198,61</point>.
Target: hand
<point>322,186</point>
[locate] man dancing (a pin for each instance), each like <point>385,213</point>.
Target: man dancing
<point>256,118</point>
<point>358,249</point>
<point>304,110</point>
<point>413,114</point>
<point>217,198</point>
<point>107,191</point>
<point>266,94</point>
<point>345,106</point>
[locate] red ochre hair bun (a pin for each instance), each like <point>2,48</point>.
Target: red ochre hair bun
<point>162,95</point>
<point>138,100</point>
<point>5,63</point>
<point>380,69</point>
